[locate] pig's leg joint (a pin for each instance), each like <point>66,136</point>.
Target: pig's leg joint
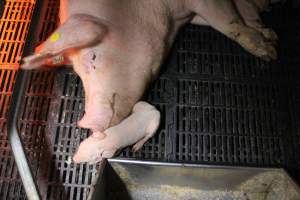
<point>140,143</point>
<point>109,153</point>
<point>150,129</point>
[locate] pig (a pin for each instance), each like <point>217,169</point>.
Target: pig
<point>118,46</point>
<point>134,130</point>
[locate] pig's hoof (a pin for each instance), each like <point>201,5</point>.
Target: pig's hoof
<point>255,42</point>
<point>269,34</point>
<point>265,51</point>
<point>268,52</point>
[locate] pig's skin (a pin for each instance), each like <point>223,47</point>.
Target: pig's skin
<point>135,129</point>
<point>117,46</point>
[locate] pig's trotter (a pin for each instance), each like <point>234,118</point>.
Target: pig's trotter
<point>269,34</point>
<point>255,43</point>
<point>249,10</point>
<point>224,17</point>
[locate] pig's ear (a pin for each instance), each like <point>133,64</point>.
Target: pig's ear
<point>45,61</point>
<point>79,31</point>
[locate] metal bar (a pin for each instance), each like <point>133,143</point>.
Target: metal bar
<point>174,164</point>
<point>96,191</point>
<point>15,140</point>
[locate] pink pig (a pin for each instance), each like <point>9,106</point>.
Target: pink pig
<point>117,47</point>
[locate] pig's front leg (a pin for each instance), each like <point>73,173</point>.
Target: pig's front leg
<point>135,129</point>
<point>223,16</point>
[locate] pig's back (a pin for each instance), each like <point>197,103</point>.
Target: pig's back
<point>120,11</point>
<point>108,10</point>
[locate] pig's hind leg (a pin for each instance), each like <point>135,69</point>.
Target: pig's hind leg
<point>77,32</point>
<point>135,129</point>
<point>224,17</point>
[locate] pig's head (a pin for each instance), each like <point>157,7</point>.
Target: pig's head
<point>95,148</point>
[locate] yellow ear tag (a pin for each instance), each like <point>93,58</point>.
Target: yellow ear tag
<point>54,37</point>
